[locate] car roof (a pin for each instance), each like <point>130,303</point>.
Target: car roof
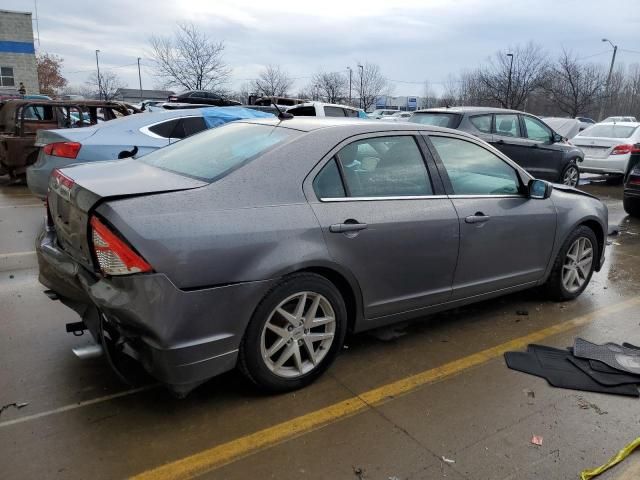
<point>467,110</point>
<point>356,125</point>
<point>624,124</point>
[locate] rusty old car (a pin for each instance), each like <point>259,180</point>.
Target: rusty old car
<point>20,121</point>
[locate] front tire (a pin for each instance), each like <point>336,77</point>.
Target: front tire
<point>571,175</point>
<point>295,333</point>
<point>574,265</point>
<point>631,206</point>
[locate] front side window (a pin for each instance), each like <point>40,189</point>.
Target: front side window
<point>220,150</point>
<point>474,170</point>
<point>306,111</point>
<point>507,125</point>
<point>384,167</point>
<point>536,130</point>
<point>482,122</point>
<point>333,112</point>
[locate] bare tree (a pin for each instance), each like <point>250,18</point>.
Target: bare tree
<point>450,92</point>
<point>429,97</point>
<point>510,85</point>
<point>189,59</point>
<point>272,82</point>
<point>107,87</point>
<point>50,78</point>
<point>332,87</point>
<point>371,84</point>
<point>573,87</point>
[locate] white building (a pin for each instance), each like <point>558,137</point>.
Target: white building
<point>17,52</point>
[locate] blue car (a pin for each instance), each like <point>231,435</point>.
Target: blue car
<point>132,136</point>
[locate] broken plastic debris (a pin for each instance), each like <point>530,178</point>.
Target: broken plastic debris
<point>13,404</point>
<point>448,460</point>
<point>536,440</point>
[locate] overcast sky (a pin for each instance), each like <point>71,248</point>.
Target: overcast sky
<point>412,41</point>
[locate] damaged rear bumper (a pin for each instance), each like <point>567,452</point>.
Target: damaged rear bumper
<point>182,338</point>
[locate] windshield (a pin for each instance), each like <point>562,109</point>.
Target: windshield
<point>609,131</point>
<point>437,119</point>
<point>214,153</point>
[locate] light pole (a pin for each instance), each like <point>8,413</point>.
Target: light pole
<point>99,81</point>
<point>140,79</point>
<point>350,72</point>
<point>606,86</point>
<point>507,103</point>
<point>361,67</point>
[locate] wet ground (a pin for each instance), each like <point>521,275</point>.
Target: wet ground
<point>430,400</point>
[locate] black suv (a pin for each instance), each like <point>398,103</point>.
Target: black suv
<point>525,139</point>
<point>631,196</point>
<point>202,97</point>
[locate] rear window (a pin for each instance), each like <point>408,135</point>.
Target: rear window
<point>217,152</point>
<point>609,131</point>
<point>437,119</point>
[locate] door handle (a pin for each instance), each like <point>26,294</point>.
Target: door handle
<point>347,227</point>
<point>479,217</point>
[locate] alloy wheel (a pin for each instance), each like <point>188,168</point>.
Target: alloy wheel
<point>298,334</point>
<point>571,176</point>
<point>577,264</point>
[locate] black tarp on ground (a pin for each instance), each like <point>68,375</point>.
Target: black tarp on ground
<point>553,365</point>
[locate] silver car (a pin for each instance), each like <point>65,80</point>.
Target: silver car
<point>260,244</point>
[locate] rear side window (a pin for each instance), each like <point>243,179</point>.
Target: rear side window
<point>220,150</point>
<point>437,119</point>
<point>507,125</point>
<point>328,183</point>
<point>165,129</point>
<point>308,111</point>
<point>351,113</point>
<point>333,112</point>
<point>384,167</point>
<point>474,170</point>
<point>482,122</point>
<point>193,125</point>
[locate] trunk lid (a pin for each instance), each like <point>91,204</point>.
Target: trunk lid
<point>44,137</point>
<point>596,147</point>
<point>74,194</point>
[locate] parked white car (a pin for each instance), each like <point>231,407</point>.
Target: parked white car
<point>399,117</point>
<point>619,119</point>
<point>381,113</point>
<point>607,147</point>
<point>320,109</point>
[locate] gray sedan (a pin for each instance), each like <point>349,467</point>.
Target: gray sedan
<point>261,243</point>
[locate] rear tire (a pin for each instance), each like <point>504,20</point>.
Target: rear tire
<point>295,333</point>
<point>631,206</point>
<point>571,271</point>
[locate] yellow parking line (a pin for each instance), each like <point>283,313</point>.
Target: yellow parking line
<point>226,453</point>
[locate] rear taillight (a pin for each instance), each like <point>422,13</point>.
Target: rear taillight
<point>62,149</point>
<point>622,150</point>
<point>114,256</point>
<point>634,180</point>
<point>61,184</point>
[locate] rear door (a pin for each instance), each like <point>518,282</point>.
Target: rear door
<point>385,218</point>
<point>505,237</point>
<point>544,159</point>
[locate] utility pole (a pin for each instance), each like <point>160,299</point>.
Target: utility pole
<point>606,86</point>
<point>508,103</point>
<point>361,67</point>
<point>350,72</point>
<point>140,79</point>
<point>99,80</point>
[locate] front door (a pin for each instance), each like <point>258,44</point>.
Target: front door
<point>506,238</point>
<point>507,137</point>
<point>383,220</point>
<point>545,158</point>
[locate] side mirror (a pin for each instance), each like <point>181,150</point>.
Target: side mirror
<point>539,189</point>
<point>556,138</point>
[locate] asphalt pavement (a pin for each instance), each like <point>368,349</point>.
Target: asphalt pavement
<point>427,400</point>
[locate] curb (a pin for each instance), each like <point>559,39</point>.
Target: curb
<point>18,261</point>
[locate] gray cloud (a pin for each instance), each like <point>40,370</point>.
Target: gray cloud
<point>411,40</point>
